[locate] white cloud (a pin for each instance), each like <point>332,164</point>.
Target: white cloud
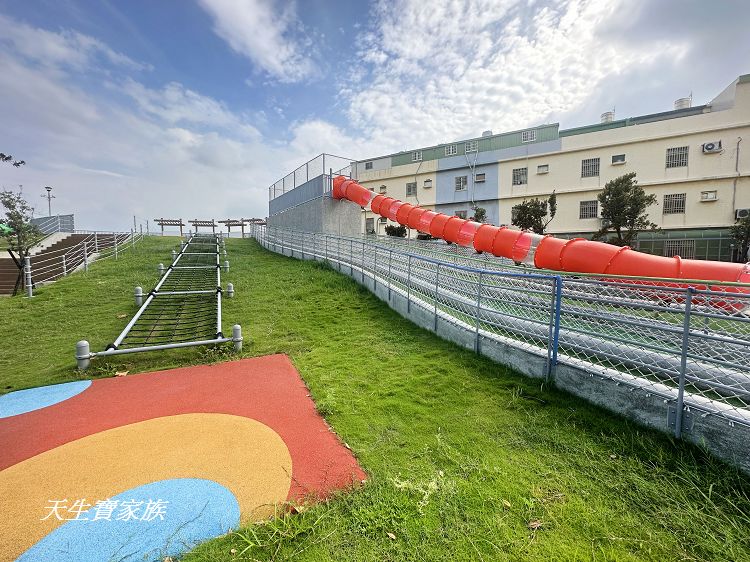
<point>269,35</point>
<point>66,49</point>
<point>448,70</point>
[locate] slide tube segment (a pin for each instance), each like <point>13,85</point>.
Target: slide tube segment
<point>545,252</point>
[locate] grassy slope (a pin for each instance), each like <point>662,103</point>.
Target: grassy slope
<point>462,453</point>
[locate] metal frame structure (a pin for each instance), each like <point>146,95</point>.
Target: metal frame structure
<point>182,310</point>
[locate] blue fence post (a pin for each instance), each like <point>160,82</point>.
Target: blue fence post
<point>554,336</point>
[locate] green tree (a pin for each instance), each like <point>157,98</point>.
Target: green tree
<point>23,235</point>
<point>624,206</point>
<point>740,233</point>
<point>532,214</point>
<point>480,214</point>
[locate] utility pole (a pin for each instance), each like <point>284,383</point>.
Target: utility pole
<point>49,198</point>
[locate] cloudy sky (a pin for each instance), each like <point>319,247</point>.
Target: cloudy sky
<point>191,108</point>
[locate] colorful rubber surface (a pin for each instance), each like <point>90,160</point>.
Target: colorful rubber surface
<point>183,456</point>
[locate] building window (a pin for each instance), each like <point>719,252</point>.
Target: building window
<point>588,209</point>
<point>542,169</point>
<point>382,189</point>
<point>471,146</point>
<point>683,248</point>
<point>411,189</point>
<point>618,159</point>
<point>479,178</point>
<point>520,176</point>
<point>674,203</point>
<point>368,165</point>
<point>451,150</point>
<point>461,182</point>
<point>370,226</point>
<point>460,214</point>
<point>427,184</point>
<point>677,157</point>
<point>589,167</point>
<point>528,136</point>
<point>383,219</point>
<point>416,156</point>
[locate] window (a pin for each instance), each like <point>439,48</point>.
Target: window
<point>674,203</point>
<point>382,188</point>
<point>461,182</point>
<point>618,159</point>
<point>369,225</point>
<point>460,214</point>
<point>427,184</point>
<point>520,176</point>
<point>479,178</point>
<point>416,156</point>
<point>471,146</point>
<point>411,189</point>
<point>677,157</point>
<point>451,149</point>
<point>683,248</point>
<point>542,169</point>
<point>368,165</point>
<point>589,167</point>
<point>528,136</point>
<point>709,195</point>
<point>383,219</point>
<point>588,209</point>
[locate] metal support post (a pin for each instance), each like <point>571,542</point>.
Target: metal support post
<point>132,238</point>
<point>390,260</point>
<point>408,285</point>
<point>83,355</point>
<point>476,312</point>
<point>138,294</point>
<point>27,274</point>
<point>230,290</point>
<point>683,362</point>
<point>437,285</point>
<point>64,265</point>
<point>362,263</point>
<point>237,337</point>
<point>115,236</point>
<point>85,256</point>
<point>160,268</point>
<point>226,266</point>
<point>96,242</point>
<point>174,255</point>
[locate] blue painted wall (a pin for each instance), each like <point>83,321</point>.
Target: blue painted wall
<point>446,185</point>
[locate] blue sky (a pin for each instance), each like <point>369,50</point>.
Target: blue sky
<point>193,107</point>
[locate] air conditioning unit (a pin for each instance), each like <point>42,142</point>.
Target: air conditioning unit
<point>711,147</point>
<point>741,214</point>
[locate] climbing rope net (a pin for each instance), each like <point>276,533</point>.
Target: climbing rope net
<point>182,310</point>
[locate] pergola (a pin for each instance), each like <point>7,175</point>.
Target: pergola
<point>169,222</point>
<point>212,224</point>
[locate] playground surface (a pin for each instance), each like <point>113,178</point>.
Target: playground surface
<point>146,466</point>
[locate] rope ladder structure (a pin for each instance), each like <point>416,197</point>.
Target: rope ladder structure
<point>182,310</point>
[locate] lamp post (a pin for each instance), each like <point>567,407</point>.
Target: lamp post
<point>49,197</point>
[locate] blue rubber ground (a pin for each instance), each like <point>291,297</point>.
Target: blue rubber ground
<point>22,401</point>
<point>198,510</point>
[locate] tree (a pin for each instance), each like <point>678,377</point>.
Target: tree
<point>23,235</point>
<point>480,214</point>
<point>397,231</point>
<point>740,233</point>
<point>624,204</point>
<point>8,158</point>
<point>531,215</point>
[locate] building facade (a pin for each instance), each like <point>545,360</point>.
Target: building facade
<point>692,158</point>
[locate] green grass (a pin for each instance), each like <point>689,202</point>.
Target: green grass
<point>462,454</point>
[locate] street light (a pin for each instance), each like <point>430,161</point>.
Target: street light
<point>49,197</point>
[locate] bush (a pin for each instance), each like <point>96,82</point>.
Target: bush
<point>397,231</point>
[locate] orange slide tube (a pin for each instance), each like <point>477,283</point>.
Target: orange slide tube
<point>545,252</point>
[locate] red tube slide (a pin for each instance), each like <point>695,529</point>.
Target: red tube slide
<point>546,252</point>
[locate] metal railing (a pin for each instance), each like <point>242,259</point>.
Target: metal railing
<point>689,345</point>
<point>52,265</point>
<point>320,165</point>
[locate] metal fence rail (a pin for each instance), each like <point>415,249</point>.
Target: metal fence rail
<point>689,345</point>
<point>183,309</point>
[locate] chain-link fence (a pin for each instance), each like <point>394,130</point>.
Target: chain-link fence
<point>689,345</point>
